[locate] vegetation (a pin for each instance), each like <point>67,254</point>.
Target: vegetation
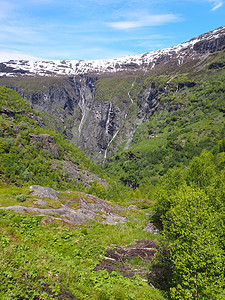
<point>173,172</point>
<point>57,262</point>
<point>190,118</point>
<point>52,260</point>
<point>190,209</point>
<point>26,157</point>
<point>176,163</point>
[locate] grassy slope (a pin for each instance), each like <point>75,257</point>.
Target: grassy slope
<point>189,119</point>
<point>42,260</point>
<point>46,262</point>
<point>22,161</point>
<point>54,261</point>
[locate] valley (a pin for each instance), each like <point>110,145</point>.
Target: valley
<point>113,147</point>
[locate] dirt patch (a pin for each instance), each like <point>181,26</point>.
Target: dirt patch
<point>130,260</point>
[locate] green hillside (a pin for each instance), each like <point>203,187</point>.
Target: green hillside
<point>41,259</point>
<point>31,154</point>
<point>172,174</point>
<point>57,261</point>
<point>188,119</point>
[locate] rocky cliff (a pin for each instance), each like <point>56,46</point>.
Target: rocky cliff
<point>99,105</point>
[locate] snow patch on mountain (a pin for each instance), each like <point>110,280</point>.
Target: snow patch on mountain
<point>146,61</point>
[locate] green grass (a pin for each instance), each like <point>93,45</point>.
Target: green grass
<point>150,144</point>
<point>43,262</point>
<point>188,119</point>
<point>116,88</point>
<point>8,194</point>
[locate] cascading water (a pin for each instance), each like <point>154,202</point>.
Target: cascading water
<point>108,119</point>
<point>82,107</point>
<point>105,156</point>
<point>132,101</point>
<point>107,129</point>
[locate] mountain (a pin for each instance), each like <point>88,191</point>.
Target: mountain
<point>100,105</point>
<point>197,48</point>
<point>161,135</point>
<point>31,154</point>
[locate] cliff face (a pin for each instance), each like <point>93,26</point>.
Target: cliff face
<point>98,120</point>
<point>68,105</point>
<point>211,45</point>
<point>100,112</point>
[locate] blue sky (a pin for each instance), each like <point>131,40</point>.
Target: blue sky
<point>71,29</point>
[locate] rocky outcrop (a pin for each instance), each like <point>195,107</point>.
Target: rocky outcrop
<point>9,112</point>
<point>97,121</point>
<point>119,259</point>
<point>148,100</point>
<point>81,176</point>
<point>211,45</point>
<point>45,142</point>
<point>151,228</point>
<point>43,192</point>
<point>89,207</point>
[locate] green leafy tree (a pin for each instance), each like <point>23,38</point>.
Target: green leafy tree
<point>197,257</point>
<point>201,170</point>
<point>168,186</point>
<point>98,190</point>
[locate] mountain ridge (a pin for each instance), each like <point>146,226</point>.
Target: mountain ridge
<point>200,45</point>
<point>103,113</point>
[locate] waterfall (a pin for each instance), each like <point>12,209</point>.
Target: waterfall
<point>114,136</point>
<point>83,111</point>
<point>132,101</point>
<point>105,155</point>
<point>108,118</point>
<point>107,129</point>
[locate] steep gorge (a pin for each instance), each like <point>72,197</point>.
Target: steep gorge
<point>100,111</point>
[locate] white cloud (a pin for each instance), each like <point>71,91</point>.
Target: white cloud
<point>216,4</point>
<point>144,21</point>
<point>124,25</point>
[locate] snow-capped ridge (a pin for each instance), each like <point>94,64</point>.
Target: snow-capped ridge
<point>144,62</point>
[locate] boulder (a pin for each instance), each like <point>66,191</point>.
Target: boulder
<point>45,142</point>
<point>43,192</point>
<point>133,207</point>
<point>151,228</point>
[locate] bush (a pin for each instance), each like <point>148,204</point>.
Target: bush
<point>21,198</point>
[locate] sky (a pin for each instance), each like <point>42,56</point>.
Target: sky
<point>101,29</point>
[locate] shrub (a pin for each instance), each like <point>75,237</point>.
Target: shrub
<point>21,198</point>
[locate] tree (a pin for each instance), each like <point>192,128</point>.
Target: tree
<point>98,190</point>
<point>170,183</point>
<point>201,170</point>
<point>197,257</point>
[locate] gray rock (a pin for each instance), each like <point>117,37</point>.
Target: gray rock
<point>43,192</point>
<point>151,228</point>
<point>133,207</point>
<point>39,202</point>
<point>45,142</point>
<point>70,215</point>
<point>90,208</point>
<point>83,176</point>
